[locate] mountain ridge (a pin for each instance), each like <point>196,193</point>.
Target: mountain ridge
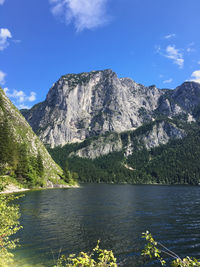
<point>88,104</point>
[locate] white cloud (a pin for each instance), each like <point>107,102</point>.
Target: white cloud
<point>169,36</point>
<point>168,81</point>
<point>85,14</point>
<point>32,97</point>
<point>196,76</point>
<point>190,48</point>
<point>198,62</point>
<point>19,98</point>
<point>2,2</point>
<point>175,55</point>
<point>6,90</point>
<point>2,77</point>
<point>5,34</point>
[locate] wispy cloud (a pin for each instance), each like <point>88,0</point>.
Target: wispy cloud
<point>19,98</point>
<point>198,62</point>
<point>168,81</point>
<point>158,49</point>
<point>5,34</point>
<point>195,77</point>
<point>169,36</point>
<point>2,2</point>
<point>190,48</point>
<point>175,55</point>
<point>2,77</point>
<point>84,14</point>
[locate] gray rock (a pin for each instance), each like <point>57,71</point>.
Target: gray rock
<point>83,105</point>
<point>88,104</point>
<point>160,134</point>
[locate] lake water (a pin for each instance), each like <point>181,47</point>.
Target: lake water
<point>72,220</point>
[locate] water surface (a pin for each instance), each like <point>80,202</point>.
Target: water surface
<point>72,220</point>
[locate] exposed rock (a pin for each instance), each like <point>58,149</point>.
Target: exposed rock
<point>100,147</point>
<point>160,134</point>
<point>88,104</point>
<point>79,106</point>
<point>187,95</point>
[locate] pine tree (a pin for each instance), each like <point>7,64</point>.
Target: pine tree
<point>40,166</point>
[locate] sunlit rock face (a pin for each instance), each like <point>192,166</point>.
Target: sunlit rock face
<point>83,105</point>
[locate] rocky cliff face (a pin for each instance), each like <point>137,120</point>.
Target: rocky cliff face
<point>23,134</point>
<point>158,134</point>
<point>82,105</point>
<point>88,104</point>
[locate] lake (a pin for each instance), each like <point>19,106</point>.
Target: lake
<point>72,220</point>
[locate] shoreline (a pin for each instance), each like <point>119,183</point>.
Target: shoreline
<point>11,189</point>
<point>14,190</point>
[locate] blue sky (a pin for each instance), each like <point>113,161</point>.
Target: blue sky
<point>151,41</point>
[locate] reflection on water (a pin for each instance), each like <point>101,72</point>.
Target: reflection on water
<point>72,220</point>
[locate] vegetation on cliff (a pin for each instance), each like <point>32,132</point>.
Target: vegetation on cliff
<point>22,154</point>
<point>177,162</point>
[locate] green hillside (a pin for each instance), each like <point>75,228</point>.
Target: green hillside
<point>177,162</point>
<point>22,155</point>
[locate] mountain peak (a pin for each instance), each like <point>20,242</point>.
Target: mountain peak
<point>86,74</point>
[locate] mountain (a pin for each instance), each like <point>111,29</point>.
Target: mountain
<point>100,124</point>
<point>22,154</point>
<point>83,105</point>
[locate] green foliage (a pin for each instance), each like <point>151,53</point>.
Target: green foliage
<point>70,177</point>
<point>39,165</point>
<point>98,257</point>
<point>8,149</point>
<point>9,225</point>
<point>16,161</point>
<point>154,250</point>
<point>177,162</point>
<point>29,169</point>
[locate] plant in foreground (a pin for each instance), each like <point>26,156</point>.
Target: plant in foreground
<point>153,249</point>
<point>98,258</point>
<point>9,225</point>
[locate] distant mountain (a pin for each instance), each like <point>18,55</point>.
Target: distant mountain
<point>22,155</point>
<point>83,105</point>
<point>99,125</point>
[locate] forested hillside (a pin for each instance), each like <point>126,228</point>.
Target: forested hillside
<point>22,155</point>
<point>177,162</point>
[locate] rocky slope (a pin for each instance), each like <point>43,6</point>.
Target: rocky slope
<point>23,134</point>
<point>159,133</point>
<point>79,106</point>
<point>88,104</point>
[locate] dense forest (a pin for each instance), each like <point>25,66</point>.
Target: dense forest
<point>15,160</point>
<point>177,162</point>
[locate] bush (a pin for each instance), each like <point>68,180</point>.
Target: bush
<point>154,249</point>
<point>98,258</point>
<point>9,225</point>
